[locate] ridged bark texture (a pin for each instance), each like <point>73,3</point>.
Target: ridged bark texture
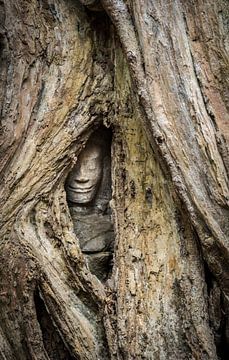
<point>155,72</point>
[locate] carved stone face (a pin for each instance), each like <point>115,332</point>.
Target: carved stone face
<point>84,179</point>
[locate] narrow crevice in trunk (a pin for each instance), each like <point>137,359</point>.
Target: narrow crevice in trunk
<point>53,343</point>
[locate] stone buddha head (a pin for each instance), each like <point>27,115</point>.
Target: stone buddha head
<point>84,179</point>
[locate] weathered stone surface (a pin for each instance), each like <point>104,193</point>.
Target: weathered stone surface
<point>94,231</point>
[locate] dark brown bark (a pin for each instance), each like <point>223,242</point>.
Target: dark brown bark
<point>155,72</point>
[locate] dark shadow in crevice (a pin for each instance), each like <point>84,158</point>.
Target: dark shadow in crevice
<point>218,321</point>
<point>208,278</point>
<point>53,343</point>
<point>223,349</point>
<point>217,314</point>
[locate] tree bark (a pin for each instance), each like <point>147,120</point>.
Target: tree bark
<point>156,74</point>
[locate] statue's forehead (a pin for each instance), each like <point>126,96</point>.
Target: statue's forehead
<point>89,157</point>
<point>91,151</point>
<point>93,146</point>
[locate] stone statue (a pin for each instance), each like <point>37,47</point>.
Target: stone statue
<point>88,189</point>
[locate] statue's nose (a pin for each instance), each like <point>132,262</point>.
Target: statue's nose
<point>81,179</point>
<point>81,176</point>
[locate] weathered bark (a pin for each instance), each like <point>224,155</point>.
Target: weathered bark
<point>155,72</point>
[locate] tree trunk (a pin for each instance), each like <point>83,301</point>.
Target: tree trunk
<point>155,73</point>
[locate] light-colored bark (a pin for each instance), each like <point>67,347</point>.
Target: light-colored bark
<point>157,77</point>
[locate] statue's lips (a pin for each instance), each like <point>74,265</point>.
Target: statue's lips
<point>82,189</point>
